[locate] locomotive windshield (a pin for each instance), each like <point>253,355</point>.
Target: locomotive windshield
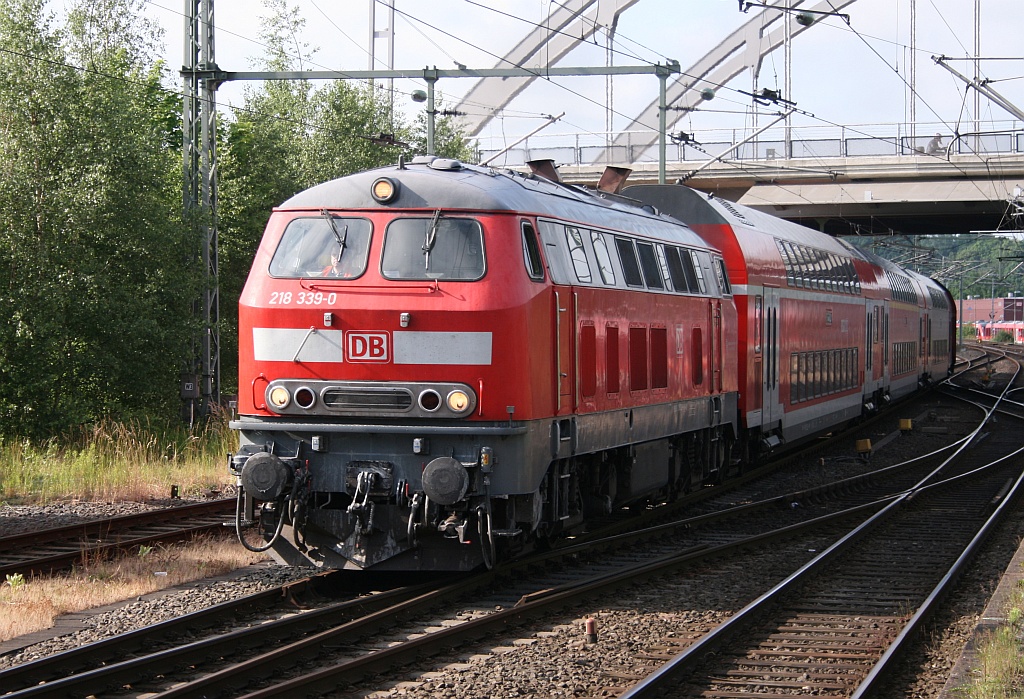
<point>433,248</point>
<point>324,246</point>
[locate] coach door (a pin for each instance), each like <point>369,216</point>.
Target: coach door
<point>771,410</point>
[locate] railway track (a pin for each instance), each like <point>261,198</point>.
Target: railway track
<point>835,626</point>
<point>402,626</point>
<point>46,550</point>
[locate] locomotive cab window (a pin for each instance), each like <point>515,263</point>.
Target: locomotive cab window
<point>433,248</point>
<point>322,246</point>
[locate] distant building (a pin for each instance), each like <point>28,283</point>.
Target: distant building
<point>979,310</point>
<point>992,315</point>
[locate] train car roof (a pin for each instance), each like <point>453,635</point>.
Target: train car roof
<point>697,208</point>
<point>439,183</point>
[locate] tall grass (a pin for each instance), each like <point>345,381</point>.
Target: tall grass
<point>134,460</point>
<point>999,672</point>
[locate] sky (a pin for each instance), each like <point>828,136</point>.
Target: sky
<point>853,74</point>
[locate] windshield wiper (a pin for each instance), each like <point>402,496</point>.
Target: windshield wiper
<point>341,236</point>
<point>431,237</point>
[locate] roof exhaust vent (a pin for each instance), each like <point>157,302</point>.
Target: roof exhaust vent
<point>613,179</point>
<point>545,168</point>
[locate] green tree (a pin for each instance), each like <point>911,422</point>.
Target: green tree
<point>97,292</point>
<point>449,139</point>
<point>291,135</point>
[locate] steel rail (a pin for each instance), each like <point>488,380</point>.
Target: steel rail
<point>667,675</point>
<point>76,542</point>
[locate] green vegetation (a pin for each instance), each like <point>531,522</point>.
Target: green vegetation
<point>100,273</point>
<point>980,265</point>
<point>1000,670</point>
<point>117,461</point>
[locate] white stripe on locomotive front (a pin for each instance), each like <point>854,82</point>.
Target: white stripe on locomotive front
<point>410,347</point>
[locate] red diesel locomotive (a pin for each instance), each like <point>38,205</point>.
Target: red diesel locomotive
<point>443,364</point>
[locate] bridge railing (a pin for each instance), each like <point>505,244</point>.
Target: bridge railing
<point>807,142</point>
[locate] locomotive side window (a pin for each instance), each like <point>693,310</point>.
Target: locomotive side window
<point>323,246</point>
<point>531,253</point>
<point>698,272</point>
<point>723,278</point>
<point>578,255</point>
<point>675,268</point>
<point>604,257</point>
<point>663,264</point>
<point>630,266</point>
<point>433,248</point>
<point>649,265</point>
<point>690,268</point>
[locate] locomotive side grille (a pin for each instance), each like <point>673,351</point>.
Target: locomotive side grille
<point>383,399</point>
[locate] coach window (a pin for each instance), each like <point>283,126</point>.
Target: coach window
<point>578,255</point>
<point>630,266</point>
<point>531,253</point>
<point>322,246</point>
<point>604,257</point>
<point>758,320</point>
<point>649,265</point>
<point>433,248</point>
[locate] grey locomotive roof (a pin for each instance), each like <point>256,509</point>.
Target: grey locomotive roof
<point>445,184</point>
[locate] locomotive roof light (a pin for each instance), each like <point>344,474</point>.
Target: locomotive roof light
<point>279,397</point>
<point>384,190</point>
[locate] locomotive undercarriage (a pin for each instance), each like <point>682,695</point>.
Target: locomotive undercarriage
<point>315,498</point>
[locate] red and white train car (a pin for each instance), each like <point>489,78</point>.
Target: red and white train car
<point>442,363</point>
<point>826,331</point>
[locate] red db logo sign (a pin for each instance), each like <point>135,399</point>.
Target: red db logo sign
<point>368,347</point>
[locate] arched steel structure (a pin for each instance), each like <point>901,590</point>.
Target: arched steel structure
<point>744,49</point>
<point>571,23</point>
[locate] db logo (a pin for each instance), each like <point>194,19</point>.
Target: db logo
<point>367,347</point>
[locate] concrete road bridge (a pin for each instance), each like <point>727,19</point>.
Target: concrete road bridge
<point>867,179</point>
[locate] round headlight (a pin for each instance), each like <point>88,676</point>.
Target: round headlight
<point>384,190</point>
<point>430,400</point>
<point>279,397</point>
<point>305,397</point>
<point>458,401</point>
